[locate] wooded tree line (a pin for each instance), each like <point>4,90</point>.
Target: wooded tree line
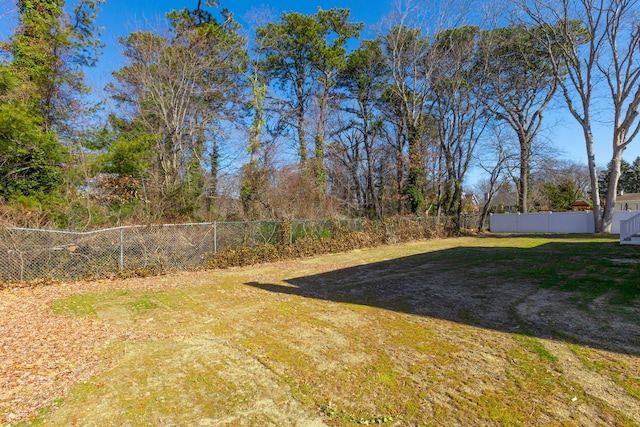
<point>332,124</point>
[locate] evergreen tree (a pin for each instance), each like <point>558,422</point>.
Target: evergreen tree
<point>303,55</point>
<point>31,160</point>
<point>629,181</point>
<point>48,51</point>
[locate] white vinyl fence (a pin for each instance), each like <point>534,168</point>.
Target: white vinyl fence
<point>552,222</point>
<point>618,216</point>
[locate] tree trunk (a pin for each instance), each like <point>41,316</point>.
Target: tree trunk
<point>414,187</point>
<point>612,190</point>
<point>360,195</point>
<point>484,213</point>
<point>302,150</point>
<point>319,171</point>
<point>523,180</point>
<point>593,176</point>
<point>452,201</point>
<point>215,157</point>
<point>372,200</point>
<point>371,203</point>
<point>400,165</point>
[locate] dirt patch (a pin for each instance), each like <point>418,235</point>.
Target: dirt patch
<point>554,314</point>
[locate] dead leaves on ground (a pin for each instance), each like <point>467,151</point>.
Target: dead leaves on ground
<point>43,354</point>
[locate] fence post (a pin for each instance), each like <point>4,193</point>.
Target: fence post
<point>215,237</point>
<point>121,249</point>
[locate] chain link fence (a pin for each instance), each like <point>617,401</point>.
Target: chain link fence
<point>30,254</point>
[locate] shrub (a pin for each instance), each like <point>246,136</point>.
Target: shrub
<point>372,234</point>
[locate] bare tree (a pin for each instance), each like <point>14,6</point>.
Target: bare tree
<point>364,78</point>
<point>255,172</point>
<point>407,50</point>
<point>412,64</point>
<point>494,161</point>
<point>346,158</point>
<point>430,57</point>
<point>458,110</point>
<point>180,87</point>
<point>394,158</point>
<point>591,42</point>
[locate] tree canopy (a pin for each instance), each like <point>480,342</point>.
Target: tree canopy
<point>304,116</point>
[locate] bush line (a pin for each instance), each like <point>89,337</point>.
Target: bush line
<point>373,234</point>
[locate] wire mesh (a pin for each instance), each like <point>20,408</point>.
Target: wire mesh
<point>29,254</point>
<point>167,247</point>
<point>234,235</point>
<point>301,229</point>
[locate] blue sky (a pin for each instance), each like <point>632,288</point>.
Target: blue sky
<point>119,17</point>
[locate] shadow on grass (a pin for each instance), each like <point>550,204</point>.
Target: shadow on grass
<point>583,292</point>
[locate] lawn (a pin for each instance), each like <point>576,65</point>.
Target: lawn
<point>491,330</point>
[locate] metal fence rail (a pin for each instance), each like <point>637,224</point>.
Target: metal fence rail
<point>29,254</point>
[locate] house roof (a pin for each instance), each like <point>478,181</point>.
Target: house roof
<point>581,202</point>
<point>628,197</point>
<point>506,199</point>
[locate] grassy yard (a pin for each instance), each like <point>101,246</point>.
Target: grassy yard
<point>492,330</point>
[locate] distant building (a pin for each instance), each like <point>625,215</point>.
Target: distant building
<point>580,205</point>
<point>503,202</point>
<point>628,202</point>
